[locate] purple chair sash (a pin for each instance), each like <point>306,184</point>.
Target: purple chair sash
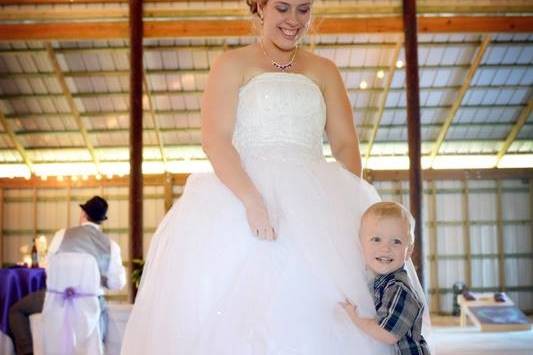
<point>69,294</point>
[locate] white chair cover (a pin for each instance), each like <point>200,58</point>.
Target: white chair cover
<point>71,310</point>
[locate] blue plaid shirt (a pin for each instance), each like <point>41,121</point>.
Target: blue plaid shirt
<point>399,311</point>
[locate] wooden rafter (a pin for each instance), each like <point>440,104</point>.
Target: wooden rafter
<point>520,122</point>
<point>238,9</point>
<point>15,141</point>
<point>180,179</point>
<point>322,46</point>
<point>459,98</point>
<point>383,101</point>
<point>191,147</point>
<point>186,112</point>
<point>72,105</point>
<point>155,122</point>
<point>37,132</point>
<point>243,27</point>
<point>199,92</point>
<point>25,13</point>
<point>112,73</point>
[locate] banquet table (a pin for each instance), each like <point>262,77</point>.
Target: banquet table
<point>15,283</point>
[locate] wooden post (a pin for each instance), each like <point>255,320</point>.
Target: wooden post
<point>530,219</point>
<point>69,197</point>
<point>499,229</point>
<point>413,128</point>
<point>169,195</point>
<point>434,279</point>
<point>466,235</point>
<point>136,134</point>
<point>398,191</point>
<point>1,227</point>
<point>34,208</point>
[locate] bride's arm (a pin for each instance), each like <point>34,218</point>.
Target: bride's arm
<point>339,123</point>
<point>219,106</point>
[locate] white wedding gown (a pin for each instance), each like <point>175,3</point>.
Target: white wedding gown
<point>211,288</point>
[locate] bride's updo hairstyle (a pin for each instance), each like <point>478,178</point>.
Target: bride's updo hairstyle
<point>254,4</point>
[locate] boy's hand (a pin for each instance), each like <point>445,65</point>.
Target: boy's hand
<point>351,310</point>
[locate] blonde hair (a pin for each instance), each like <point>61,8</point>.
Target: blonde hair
<point>391,209</point>
<point>254,5</point>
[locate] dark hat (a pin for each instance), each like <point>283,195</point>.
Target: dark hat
<point>96,209</point>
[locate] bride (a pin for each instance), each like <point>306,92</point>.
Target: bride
<point>253,260</point>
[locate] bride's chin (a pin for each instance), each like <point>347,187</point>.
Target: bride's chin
<point>287,46</point>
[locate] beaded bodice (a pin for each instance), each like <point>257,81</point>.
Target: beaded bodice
<point>280,116</point>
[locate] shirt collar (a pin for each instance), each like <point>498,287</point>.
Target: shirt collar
<point>382,280</point>
<point>92,224</point>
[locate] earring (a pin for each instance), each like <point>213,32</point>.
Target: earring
<point>261,20</point>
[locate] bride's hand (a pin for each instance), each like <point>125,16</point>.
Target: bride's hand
<point>259,221</point>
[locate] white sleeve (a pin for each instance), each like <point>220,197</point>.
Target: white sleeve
<point>116,274</point>
<point>55,244</point>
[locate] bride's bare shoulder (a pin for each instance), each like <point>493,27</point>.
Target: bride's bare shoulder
<point>234,64</point>
<point>322,70</point>
<point>236,59</point>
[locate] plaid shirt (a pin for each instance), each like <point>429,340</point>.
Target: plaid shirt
<point>399,311</point>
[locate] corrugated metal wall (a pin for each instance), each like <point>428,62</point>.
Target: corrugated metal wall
<point>475,231</point>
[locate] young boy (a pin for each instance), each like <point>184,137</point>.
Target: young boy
<point>387,238</point>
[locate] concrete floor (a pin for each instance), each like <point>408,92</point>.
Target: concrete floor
<point>450,339</point>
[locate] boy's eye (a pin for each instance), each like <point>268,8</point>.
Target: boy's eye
<point>397,241</point>
<point>375,239</point>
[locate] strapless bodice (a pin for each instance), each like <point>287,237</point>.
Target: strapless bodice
<point>280,116</point>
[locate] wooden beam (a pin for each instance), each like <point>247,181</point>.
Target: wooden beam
<point>383,101</point>
<point>362,7</point>
<point>466,234</point>
<point>34,212</point>
<point>15,141</point>
<point>531,218</point>
<point>169,193</point>
<point>102,114</point>
<point>500,237</point>
<point>459,174</point>
<point>72,105</point>
<point>182,92</point>
<point>413,130</point>
<point>1,227</point>
<point>476,61</point>
<point>520,122</point>
<point>77,2</point>
<point>136,136</point>
<point>69,196</point>
<point>433,250</point>
<point>91,182</point>
<point>38,132</point>
<point>179,71</point>
<point>180,179</point>
<point>438,43</point>
<point>238,27</point>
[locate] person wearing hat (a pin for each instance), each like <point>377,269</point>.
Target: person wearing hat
<point>87,238</point>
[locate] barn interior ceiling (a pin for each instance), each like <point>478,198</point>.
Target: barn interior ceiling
<point>64,81</point>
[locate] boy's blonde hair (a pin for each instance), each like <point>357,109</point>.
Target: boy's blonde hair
<point>392,210</point>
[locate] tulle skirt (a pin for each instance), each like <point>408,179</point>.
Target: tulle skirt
<point>210,287</point>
